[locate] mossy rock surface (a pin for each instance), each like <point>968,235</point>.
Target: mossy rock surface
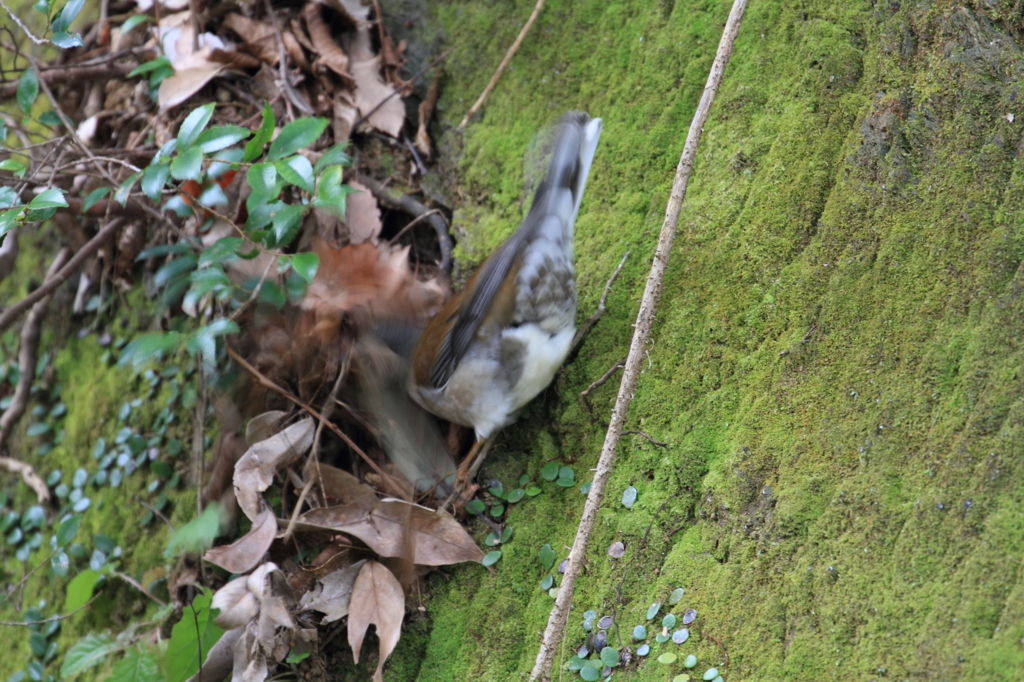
<point>836,365</point>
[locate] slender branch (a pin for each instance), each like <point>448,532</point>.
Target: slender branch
<point>504,62</point>
<point>634,361</point>
<point>295,399</point>
<point>409,205</point>
<point>601,308</point>
<point>29,623</point>
<point>23,27</point>
<point>12,313</point>
<point>27,354</point>
<point>71,73</point>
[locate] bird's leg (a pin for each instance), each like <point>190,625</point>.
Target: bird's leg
<point>476,455</point>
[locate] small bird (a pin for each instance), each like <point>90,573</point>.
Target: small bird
<point>498,342</point>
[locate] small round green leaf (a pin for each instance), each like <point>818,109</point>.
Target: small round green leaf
<point>667,658</point>
<point>676,596</point>
<point>629,497</point>
<point>549,471</point>
<point>653,610</point>
<point>710,674</point>
<point>610,656</point>
<point>669,621</point>
<point>590,674</point>
<point>516,495</point>
<point>691,661</point>
<point>547,556</point>
<point>491,558</point>
<point>639,632</point>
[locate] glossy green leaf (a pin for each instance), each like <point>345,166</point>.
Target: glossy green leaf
<point>136,666</point>
<point>298,171</point>
<point>629,497</point>
<point>188,164</point>
<point>28,89</point>
<point>296,135</point>
<point>66,41</point>
<point>221,137</point>
<point>154,177</point>
<point>87,652</point>
<point>93,197</point>
<point>67,14</point>
<point>146,67</point>
<point>50,198</point>
<point>286,223</point>
<point>132,22</point>
<point>79,590</point>
<point>220,251</point>
<point>122,193</point>
<point>549,471</point>
<point>148,347</point>
<point>254,148</point>
<point>194,124</point>
<point>191,639</point>
<point>67,529</point>
<point>335,156</point>
<point>306,265</point>
<point>491,558</point>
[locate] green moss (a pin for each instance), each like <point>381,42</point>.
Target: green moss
<point>836,357</point>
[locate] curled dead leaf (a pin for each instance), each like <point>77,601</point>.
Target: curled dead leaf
<point>242,555</point>
<point>263,426</point>
<point>362,215</point>
<point>331,55</point>
<point>338,486</point>
<point>333,592</point>
<point>237,604</point>
<point>255,471</point>
<point>394,527</point>
<point>378,599</point>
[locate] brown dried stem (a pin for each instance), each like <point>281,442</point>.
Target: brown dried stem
<point>634,361</point>
<point>504,63</point>
<point>407,204</point>
<point>27,355</point>
<point>260,377</point>
<point>52,282</point>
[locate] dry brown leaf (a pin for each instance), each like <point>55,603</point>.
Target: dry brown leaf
<point>332,594</point>
<point>362,215</point>
<point>426,111</point>
<point>365,67</point>
<point>365,276</point>
<point>338,486</point>
<point>261,40</point>
<point>237,604</point>
<point>331,56</point>
<point>345,115</point>
<point>220,660</point>
<point>255,471</point>
<point>242,555</point>
<point>263,426</point>
<point>377,598</point>
<point>391,527</point>
<point>275,623</point>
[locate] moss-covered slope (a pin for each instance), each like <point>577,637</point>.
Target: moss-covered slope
<point>836,367</point>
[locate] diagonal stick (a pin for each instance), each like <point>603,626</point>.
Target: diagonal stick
<point>644,321</point>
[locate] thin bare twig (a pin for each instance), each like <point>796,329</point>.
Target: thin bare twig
<point>27,354</point>
<point>600,382</point>
<point>10,314</point>
<point>414,208</point>
<point>28,623</point>
<point>138,586</point>
<point>504,62</point>
<point>414,222</point>
<point>282,65</point>
<point>634,361</point>
<point>295,399</point>
<point>601,308</point>
<point>23,27</point>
